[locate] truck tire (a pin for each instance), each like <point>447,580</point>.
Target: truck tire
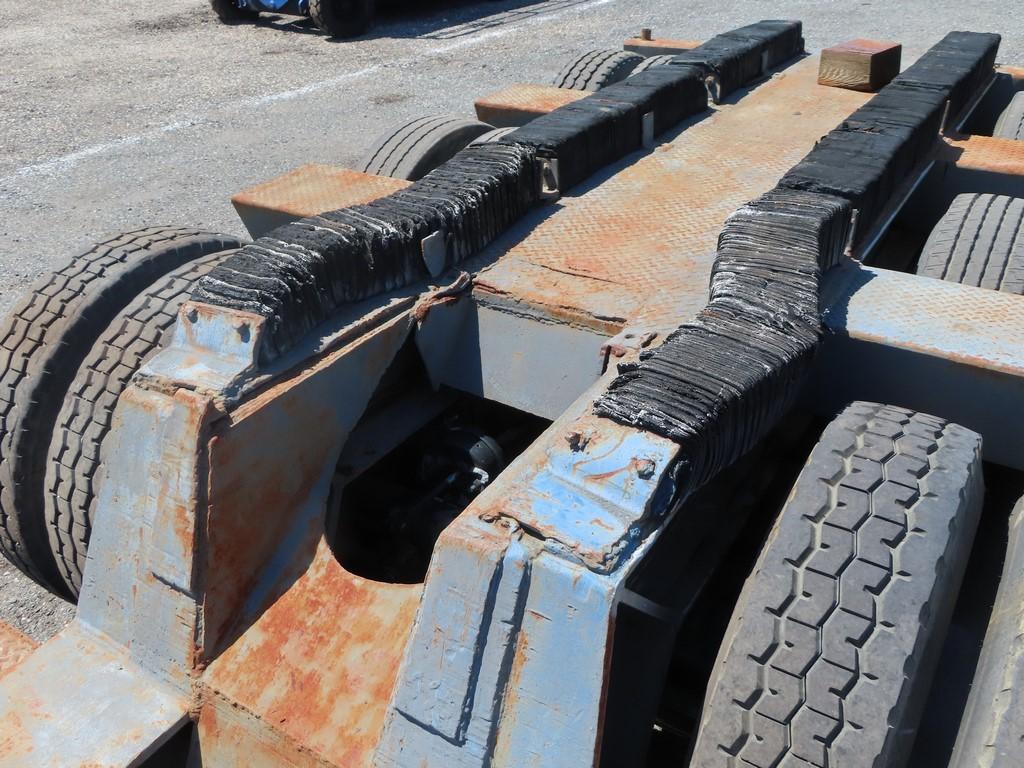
<point>42,344</point>
<point>980,242</point>
<point>596,69</point>
<point>493,136</point>
<point>992,729</point>
<point>342,18</point>
<point>660,60</point>
<point>229,12</point>
<point>76,449</point>
<point>830,650</point>
<point>414,149</point>
<point>1010,124</point>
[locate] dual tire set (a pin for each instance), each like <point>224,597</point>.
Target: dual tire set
<point>67,352</point>
<point>835,639</point>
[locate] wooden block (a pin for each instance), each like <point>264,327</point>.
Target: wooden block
<point>860,65</point>
<point>520,103</point>
<point>658,46</point>
<point>307,191</point>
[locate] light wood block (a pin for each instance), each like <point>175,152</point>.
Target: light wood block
<point>860,65</point>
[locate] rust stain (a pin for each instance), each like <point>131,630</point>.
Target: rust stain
<point>639,246</point>
<point>521,102</point>
<point>985,153</point>
<point>257,496</point>
<point>320,664</point>
<point>312,189</point>
<point>14,648</point>
<point>639,44</point>
<point>447,295</point>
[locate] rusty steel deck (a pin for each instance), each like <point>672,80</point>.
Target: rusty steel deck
<point>636,247</point>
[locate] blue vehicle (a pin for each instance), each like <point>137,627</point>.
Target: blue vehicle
<point>338,18</point>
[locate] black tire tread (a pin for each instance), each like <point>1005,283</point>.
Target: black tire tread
<point>992,728</point>
<point>76,449</point>
<point>595,70</point>
<point>660,60</point>
<point>979,241</point>
<point>833,641</point>
<point>409,151</point>
<point>342,18</point>
<point>42,343</point>
<point>229,12</point>
<point>1010,124</point>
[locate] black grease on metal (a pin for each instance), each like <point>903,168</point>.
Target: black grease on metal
<point>719,383</point>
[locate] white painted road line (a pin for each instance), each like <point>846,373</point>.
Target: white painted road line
<point>57,165</point>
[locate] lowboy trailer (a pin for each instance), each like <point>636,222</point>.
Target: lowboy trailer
<point>673,417</point>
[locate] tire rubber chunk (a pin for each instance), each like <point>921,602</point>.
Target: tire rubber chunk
<point>720,382</point>
<point>594,132</point>
<point>957,66</point>
<point>298,275</point>
<point>738,57</point>
<point>870,154</point>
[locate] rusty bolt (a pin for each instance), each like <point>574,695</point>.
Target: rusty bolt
<point>644,468</point>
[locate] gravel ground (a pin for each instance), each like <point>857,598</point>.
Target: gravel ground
<point>116,115</point>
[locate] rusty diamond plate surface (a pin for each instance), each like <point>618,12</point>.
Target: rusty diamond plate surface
<point>976,326</point>
<point>312,189</point>
<point>638,246</point>
<point>520,102</point>
<point>986,153</point>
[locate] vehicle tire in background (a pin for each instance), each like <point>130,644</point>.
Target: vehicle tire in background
<point>76,449</point>
<point>830,651</point>
<point>414,149</point>
<point>1010,124</point>
<point>42,344</point>
<point>596,69</point>
<point>342,18</point>
<point>229,12</point>
<point>492,136</point>
<point>660,60</point>
<point>992,728</point>
<point>979,241</point>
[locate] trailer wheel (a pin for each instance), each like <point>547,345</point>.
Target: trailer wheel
<point>831,647</point>
<point>76,449</point>
<point>42,344</point>
<point>1011,122</point>
<point>660,60</point>
<point>992,728</point>
<point>414,149</point>
<point>492,137</point>
<point>229,12</point>
<point>596,69</point>
<point>980,242</point>
<point>342,18</point>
